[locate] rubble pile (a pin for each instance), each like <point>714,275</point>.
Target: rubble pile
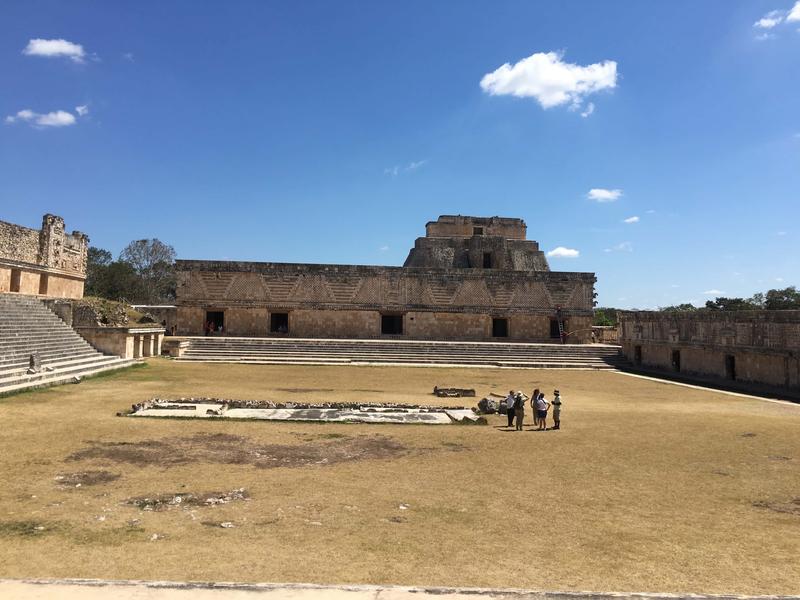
<point>189,404</point>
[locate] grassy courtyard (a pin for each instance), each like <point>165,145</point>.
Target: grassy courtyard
<point>648,486</point>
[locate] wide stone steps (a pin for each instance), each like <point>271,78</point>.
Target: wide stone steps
<point>410,353</point>
<point>27,326</point>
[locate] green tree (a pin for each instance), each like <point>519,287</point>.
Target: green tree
<point>153,261</point>
<point>723,303</point>
<point>686,307</point>
<point>97,261</point>
<point>605,317</point>
<point>785,299</point>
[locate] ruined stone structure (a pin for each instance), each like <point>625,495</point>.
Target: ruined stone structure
<point>760,346</point>
<point>46,262</point>
<point>469,278</point>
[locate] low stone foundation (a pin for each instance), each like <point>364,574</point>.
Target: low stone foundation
<point>126,342</point>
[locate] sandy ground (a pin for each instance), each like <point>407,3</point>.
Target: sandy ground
<point>648,486</point>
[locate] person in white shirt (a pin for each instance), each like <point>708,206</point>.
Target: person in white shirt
<point>541,411</point>
<point>510,408</point>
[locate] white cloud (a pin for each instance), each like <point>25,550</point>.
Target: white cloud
<point>779,279</point>
<point>383,248</point>
<point>770,20</point>
<point>761,37</point>
<point>621,247</point>
<point>55,48</point>
<point>713,292</point>
<point>552,82</point>
<point>674,285</point>
<point>631,220</point>
<point>651,212</point>
<point>780,233</point>
<point>794,13</point>
<point>58,118</point>
<point>82,110</point>
<point>128,56</point>
<point>397,169</point>
<point>603,195</point>
<point>589,110</point>
<point>562,252</point>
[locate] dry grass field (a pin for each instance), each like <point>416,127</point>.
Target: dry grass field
<point>648,486</point>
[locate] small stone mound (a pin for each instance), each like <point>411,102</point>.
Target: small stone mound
<point>186,499</point>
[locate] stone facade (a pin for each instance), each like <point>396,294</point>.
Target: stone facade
<point>47,262</point>
<point>748,346</point>
<point>444,291</point>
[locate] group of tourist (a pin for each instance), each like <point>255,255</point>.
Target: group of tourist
<point>515,409</point>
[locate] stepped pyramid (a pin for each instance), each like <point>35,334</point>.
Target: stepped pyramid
<point>28,326</point>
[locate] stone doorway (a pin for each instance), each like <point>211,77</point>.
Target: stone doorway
<point>279,323</point>
<point>730,367</point>
<point>676,360</point>
<point>499,327</point>
<point>391,324</point>
<point>215,322</point>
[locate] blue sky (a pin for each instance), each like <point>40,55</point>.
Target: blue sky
<point>332,131</point>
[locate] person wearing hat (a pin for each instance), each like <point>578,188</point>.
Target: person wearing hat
<point>510,408</point>
<point>556,409</point>
<point>519,409</point>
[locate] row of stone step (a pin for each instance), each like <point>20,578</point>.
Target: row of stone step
<point>411,353</point>
<point>28,327</point>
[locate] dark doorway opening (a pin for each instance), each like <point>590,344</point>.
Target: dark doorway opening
<point>16,278</point>
<point>499,327</point>
<point>279,323</point>
<point>730,366</point>
<point>487,260</point>
<point>215,322</point>
<point>44,279</point>
<point>554,331</point>
<point>392,324</point>
<point>637,355</point>
<point>676,360</point>
<point>477,231</point>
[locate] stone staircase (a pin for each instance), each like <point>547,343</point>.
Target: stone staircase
<point>401,352</point>
<point>27,326</point>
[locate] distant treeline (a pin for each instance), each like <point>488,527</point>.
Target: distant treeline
<point>785,299</point>
<point>144,273</point>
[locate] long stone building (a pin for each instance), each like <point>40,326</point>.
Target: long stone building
<point>46,262</point>
<point>469,278</point>
<point>760,346</point>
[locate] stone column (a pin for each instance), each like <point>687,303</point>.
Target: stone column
<point>137,346</point>
<point>158,338</point>
<point>147,345</point>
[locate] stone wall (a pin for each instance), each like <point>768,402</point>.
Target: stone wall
<point>464,226</point>
<point>347,300</point>
<point>48,262</point>
<point>749,346</point>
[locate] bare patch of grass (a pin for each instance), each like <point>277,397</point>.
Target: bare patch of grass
<point>85,478</point>
<point>791,507</point>
<point>238,450</point>
<point>26,528</point>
